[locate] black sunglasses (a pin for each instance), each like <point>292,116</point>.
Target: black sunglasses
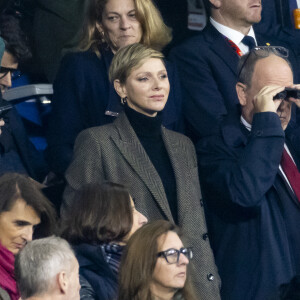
<point>172,255</point>
<point>264,51</point>
<point>15,73</point>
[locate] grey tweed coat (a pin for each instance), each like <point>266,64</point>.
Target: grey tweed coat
<point>113,153</point>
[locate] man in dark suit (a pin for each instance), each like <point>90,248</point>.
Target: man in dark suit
<point>17,154</point>
<point>250,181</point>
<point>208,62</point>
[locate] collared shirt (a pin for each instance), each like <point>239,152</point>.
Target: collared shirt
<point>234,35</point>
<point>249,127</point>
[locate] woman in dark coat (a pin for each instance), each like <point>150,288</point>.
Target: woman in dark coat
<point>83,96</point>
<point>102,220</point>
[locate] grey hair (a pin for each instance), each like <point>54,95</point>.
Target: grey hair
<point>247,64</point>
<point>38,263</point>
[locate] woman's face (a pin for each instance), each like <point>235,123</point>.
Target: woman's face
<point>138,220</point>
<point>119,24</point>
<point>17,226</point>
<point>167,278</point>
<point>146,88</point>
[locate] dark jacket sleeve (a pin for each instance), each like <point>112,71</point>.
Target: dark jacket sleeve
<point>237,175</point>
<point>32,159</point>
<point>66,119</point>
<point>86,291</point>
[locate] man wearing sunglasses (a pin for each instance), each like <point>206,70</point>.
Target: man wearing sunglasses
<point>250,179</point>
<point>17,154</point>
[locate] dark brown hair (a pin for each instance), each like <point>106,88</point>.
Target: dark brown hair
<point>138,263</point>
<point>101,213</point>
<point>15,186</point>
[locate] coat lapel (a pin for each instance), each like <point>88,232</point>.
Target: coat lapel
<point>221,47</point>
<point>180,164</point>
<point>134,153</point>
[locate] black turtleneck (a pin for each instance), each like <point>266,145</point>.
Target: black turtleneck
<point>148,131</point>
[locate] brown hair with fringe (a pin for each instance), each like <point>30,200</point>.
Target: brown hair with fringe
<point>139,260</point>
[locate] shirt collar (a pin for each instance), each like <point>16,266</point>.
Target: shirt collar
<point>246,124</point>
<point>230,33</point>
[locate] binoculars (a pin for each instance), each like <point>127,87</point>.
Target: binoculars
<point>287,93</point>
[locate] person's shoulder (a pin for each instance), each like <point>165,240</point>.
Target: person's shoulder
<point>80,58</point>
<point>102,132</point>
<point>4,295</point>
<point>177,136</point>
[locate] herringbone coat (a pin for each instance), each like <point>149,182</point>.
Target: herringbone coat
<point>113,153</point>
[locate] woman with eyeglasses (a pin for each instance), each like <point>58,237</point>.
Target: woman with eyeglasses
<point>154,265</point>
<point>103,219</point>
<point>83,96</point>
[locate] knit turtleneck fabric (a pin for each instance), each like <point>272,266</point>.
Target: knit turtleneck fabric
<point>148,131</point>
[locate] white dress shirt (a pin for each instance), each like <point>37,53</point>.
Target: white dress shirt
<point>234,35</point>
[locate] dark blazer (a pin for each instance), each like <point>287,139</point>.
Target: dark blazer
<point>252,214</point>
<point>207,66</point>
<point>113,152</point>
<point>32,159</point>
<point>84,97</point>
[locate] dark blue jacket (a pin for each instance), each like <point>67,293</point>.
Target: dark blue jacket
<point>84,97</point>
<point>207,66</point>
<point>32,160</point>
<point>253,216</point>
<point>95,270</point>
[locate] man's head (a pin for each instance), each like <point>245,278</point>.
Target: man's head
<point>263,73</point>
<point>47,269</point>
<point>16,49</point>
<point>236,14</point>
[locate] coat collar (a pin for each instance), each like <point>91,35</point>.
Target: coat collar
<point>221,47</point>
<point>133,151</point>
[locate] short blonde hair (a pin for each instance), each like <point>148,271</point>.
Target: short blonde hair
<point>156,33</point>
<point>129,58</point>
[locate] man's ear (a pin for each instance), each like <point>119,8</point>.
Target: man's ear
<point>241,93</point>
<point>62,281</point>
<point>120,88</point>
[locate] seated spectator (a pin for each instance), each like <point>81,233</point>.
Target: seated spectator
<point>158,165</point>
<point>102,220</point>
<point>155,265</point>
<point>24,212</point>
<point>47,269</point>
<point>250,179</point>
<point>17,154</point>
<point>83,96</point>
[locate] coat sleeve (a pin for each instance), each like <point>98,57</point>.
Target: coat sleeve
<point>86,290</point>
<point>86,166</point>
<point>239,176</point>
<point>66,120</point>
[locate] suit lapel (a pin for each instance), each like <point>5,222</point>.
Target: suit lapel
<point>177,151</point>
<point>221,47</point>
<point>134,153</point>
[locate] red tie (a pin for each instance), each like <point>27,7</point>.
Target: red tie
<point>291,172</point>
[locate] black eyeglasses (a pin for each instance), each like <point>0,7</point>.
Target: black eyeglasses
<point>13,72</point>
<point>264,51</point>
<point>172,255</point>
